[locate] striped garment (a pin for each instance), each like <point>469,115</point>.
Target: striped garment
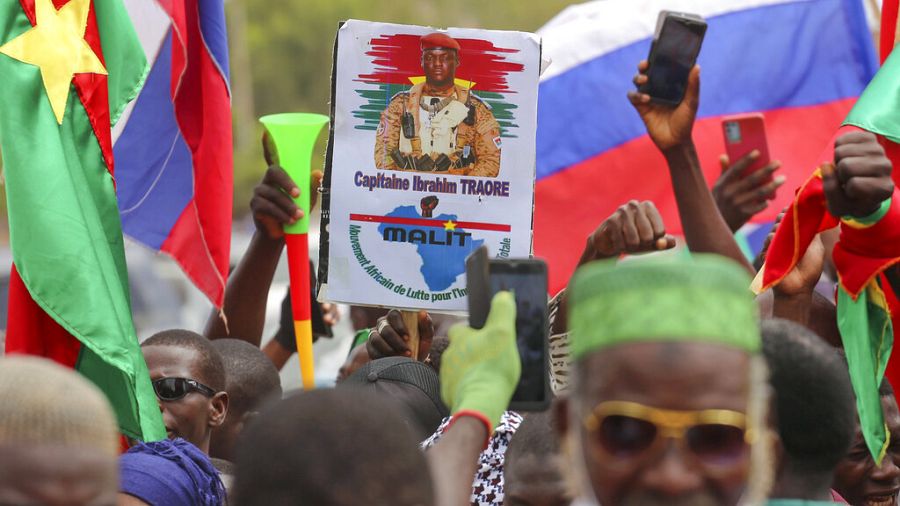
<point>559,350</point>
<point>487,487</point>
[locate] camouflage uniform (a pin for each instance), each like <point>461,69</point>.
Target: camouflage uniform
<point>467,149</point>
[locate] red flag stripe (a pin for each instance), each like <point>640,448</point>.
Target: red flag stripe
<point>888,27</point>
<point>203,111</point>
<point>422,222</point>
<point>32,331</point>
<point>91,88</point>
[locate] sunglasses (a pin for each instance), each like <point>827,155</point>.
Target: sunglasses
<point>173,389</point>
<point>628,431</point>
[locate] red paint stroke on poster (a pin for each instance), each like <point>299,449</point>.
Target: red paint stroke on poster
<point>398,57</point>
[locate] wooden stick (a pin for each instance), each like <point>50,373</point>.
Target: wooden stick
<point>411,321</point>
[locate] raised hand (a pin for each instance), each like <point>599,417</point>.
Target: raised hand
<point>668,126</point>
<point>860,179</point>
<point>271,204</point>
<point>740,197</point>
<point>635,227</point>
<point>480,368</point>
<point>390,338</point>
<point>803,278</point>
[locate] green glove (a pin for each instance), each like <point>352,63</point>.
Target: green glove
<point>480,369</point>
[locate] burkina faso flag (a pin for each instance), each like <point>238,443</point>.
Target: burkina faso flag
<point>68,68</point>
<point>866,257</point>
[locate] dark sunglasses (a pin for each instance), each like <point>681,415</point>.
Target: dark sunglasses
<point>630,431</point>
<point>173,389</point>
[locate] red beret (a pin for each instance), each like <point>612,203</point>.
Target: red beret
<point>438,40</point>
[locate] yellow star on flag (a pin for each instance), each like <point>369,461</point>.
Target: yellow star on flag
<point>56,45</point>
<point>449,225</point>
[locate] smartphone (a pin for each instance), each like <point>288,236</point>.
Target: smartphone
<point>527,279</point>
<point>478,289</point>
<point>673,54</point>
<point>744,133</point>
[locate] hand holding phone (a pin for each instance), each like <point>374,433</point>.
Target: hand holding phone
<point>747,182</point>
<point>480,368</point>
<point>673,54</point>
<point>527,280</point>
<point>667,93</point>
<point>745,133</point>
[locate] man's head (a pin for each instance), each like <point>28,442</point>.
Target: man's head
<point>189,379</point>
<point>857,478</point>
<point>58,436</point>
<point>411,384</point>
<point>814,404</point>
<point>338,447</point>
<point>440,57</point>
<point>250,378</point>
<point>533,466</point>
<point>668,387</point>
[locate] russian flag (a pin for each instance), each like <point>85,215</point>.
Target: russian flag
<point>800,62</point>
<point>173,147</point>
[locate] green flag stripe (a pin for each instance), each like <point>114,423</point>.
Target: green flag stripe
<point>65,232</point>
<point>122,53</point>
<point>867,335</point>
<point>877,108</point>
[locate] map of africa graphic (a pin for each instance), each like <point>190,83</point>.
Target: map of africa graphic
<point>441,264</point>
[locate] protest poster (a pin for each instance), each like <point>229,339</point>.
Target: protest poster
<point>431,155</point>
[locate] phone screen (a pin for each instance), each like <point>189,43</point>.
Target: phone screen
<point>528,281</point>
<point>672,57</point>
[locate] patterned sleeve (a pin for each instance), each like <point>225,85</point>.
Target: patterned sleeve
<point>487,487</point>
<point>487,143</point>
<point>559,350</point>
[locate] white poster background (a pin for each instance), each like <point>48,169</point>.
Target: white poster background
<point>366,269</point>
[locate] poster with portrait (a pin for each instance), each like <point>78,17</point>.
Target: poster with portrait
<point>431,155</point>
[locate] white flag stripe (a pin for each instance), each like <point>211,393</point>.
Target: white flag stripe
<point>583,32</point>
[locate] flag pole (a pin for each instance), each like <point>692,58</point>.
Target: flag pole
<point>411,321</point>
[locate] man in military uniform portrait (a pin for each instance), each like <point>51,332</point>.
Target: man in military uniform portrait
<point>438,125</point>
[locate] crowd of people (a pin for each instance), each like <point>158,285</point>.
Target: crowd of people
<point>673,384</point>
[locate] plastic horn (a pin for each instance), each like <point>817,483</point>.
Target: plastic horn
<point>294,135</point>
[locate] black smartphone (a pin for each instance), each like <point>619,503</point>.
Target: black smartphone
<point>673,54</point>
<point>527,279</point>
<point>478,289</point>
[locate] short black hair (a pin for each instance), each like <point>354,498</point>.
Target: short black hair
<point>332,446</point>
<point>250,377</point>
<point>813,396</point>
<point>210,366</point>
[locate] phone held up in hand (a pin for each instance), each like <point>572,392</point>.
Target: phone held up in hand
<point>743,134</point>
<point>673,54</point>
<point>527,279</point>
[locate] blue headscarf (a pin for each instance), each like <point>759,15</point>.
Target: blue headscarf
<point>171,473</point>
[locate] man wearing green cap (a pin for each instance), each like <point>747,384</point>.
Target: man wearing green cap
<point>669,390</point>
